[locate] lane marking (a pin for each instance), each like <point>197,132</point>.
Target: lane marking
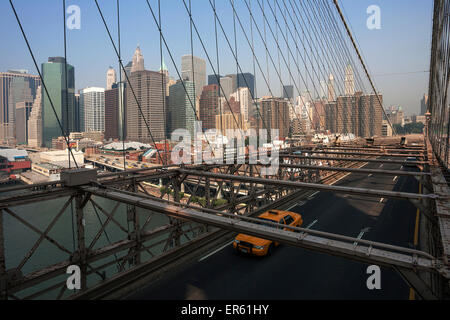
<point>311,224</point>
<point>215,251</point>
<point>298,204</point>
<point>312,196</point>
<point>360,235</point>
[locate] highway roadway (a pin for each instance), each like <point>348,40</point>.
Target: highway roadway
<point>294,273</point>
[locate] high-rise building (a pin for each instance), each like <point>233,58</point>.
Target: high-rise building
<point>348,117</point>
<point>209,106</point>
<point>323,90</point>
<point>246,80</point>
<point>23,110</point>
<point>331,116</point>
<point>386,130</point>
<point>16,85</point>
<point>305,118</point>
<point>371,115</point>
<point>234,81</point>
<point>19,91</point>
<point>275,114</point>
<point>138,61</point>
<point>242,95</point>
<point>112,112</point>
<point>331,92</point>
<point>181,106</point>
<point>226,84</point>
<point>35,122</point>
<point>110,78</point>
<point>358,114</point>
<point>54,75</point>
<point>149,87</point>
<point>194,69</point>
<point>212,79</point>
<point>241,80</point>
<point>92,106</point>
<point>77,112</point>
<point>318,115</point>
<point>127,72</point>
<point>230,105</point>
<point>229,121</point>
<point>424,104</point>
<point>288,92</point>
<point>349,81</point>
<point>396,115</point>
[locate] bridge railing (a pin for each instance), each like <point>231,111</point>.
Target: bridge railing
<point>438,103</point>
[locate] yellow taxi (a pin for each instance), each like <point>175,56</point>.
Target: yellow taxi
<point>260,247</point>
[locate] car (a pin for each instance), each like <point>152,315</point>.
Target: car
<point>409,162</point>
<point>262,247</point>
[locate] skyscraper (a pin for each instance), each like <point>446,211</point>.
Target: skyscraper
<point>349,81</point>
<point>19,91</point>
<point>242,80</point>
<point>35,122</point>
<point>23,110</point>
<point>15,85</point>
<point>275,114</point>
<point>288,92</point>
<point>371,115</point>
<point>234,85</point>
<point>226,84</point>
<point>347,114</point>
<point>54,75</point>
<point>149,87</point>
<point>110,78</point>
<point>424,104</point>
<point>180,111</point>
<point>331,92</point>
<point>209,106</point>
<point>127,72</point>
<point>194,69</point>
<point>323,90</point>
<point>92,106</point>
<point>358,114</point>
<point>212,79</point>
<point>112,112</point>
<point>138,61</point>
<point>242,95</point>
<point>247,80</point>
<point>77,112</point>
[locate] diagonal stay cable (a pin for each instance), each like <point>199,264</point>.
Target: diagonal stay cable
<point>64,133</point>
<point>363,64</point>
<point>128,79</point>
<point>212,66</point>
<point>178,73</point>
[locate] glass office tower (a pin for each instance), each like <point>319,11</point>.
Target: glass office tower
<point>54,74</point>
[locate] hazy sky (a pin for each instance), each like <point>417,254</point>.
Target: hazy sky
<point>401,45</point>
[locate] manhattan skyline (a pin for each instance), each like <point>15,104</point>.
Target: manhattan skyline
<point>402,44</point>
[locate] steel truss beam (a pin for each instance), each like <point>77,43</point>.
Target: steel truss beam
<point>369,154</point>
<point>364,251</point>
<point>353,170</point>
<point>283,156</point>
<point>312,186</point>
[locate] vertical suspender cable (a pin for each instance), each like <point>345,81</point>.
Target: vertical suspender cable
<point>121,92</point>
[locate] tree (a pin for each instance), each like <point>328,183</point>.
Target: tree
<point>409,128</point>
